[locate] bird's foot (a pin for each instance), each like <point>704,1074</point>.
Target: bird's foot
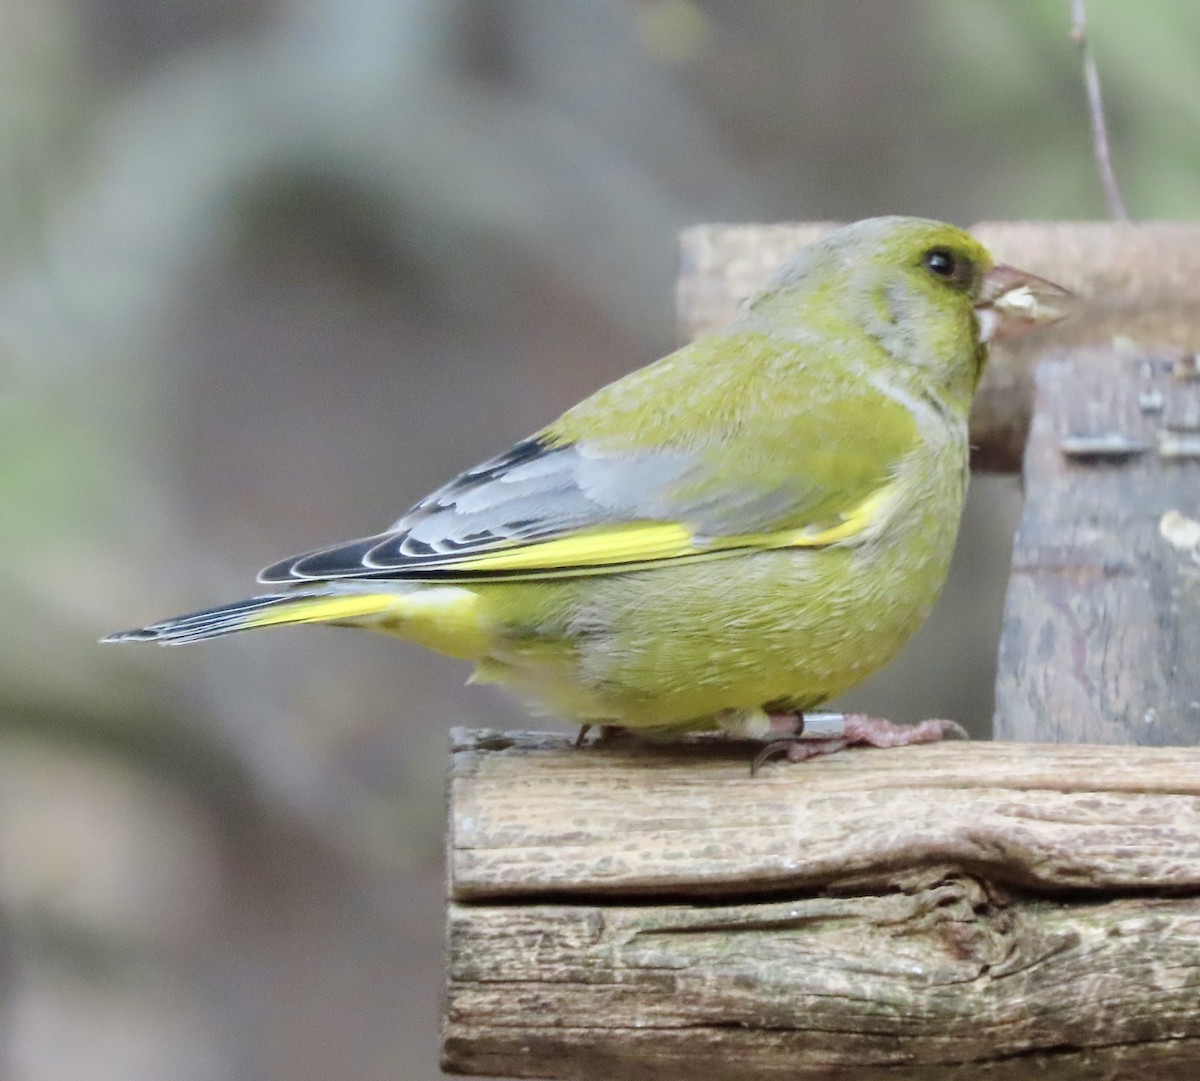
<point>800,741</point>
<point>608,733</point>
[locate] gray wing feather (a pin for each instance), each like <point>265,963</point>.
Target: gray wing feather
<point>534,492</point>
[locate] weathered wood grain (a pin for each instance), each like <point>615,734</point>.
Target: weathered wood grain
<point>1101,632</point>
<point>956,911</point>
<point>938,983</point>
<point>531,820</point>
<point>1140,282</point>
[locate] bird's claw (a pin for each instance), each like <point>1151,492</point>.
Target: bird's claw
<point>859,729</point>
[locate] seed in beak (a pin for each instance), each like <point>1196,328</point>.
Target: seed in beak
<point>1012,301</point>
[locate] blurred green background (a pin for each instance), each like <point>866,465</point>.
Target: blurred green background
<point>272,269</point>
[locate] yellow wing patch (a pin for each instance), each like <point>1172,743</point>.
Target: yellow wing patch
<point>445,618</point>
<point>651,542</point>
<point>323,609</point>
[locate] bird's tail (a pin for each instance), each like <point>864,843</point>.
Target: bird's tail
<point>273,609</point>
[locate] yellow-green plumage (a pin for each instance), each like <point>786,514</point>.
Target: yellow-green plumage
<point>754,523</point>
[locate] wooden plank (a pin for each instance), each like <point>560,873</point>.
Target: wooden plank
<point>1101,631</point>
<point>927,983</point>
<point>536,818</point>
<point>954,911</point>
<point>1140,281</point>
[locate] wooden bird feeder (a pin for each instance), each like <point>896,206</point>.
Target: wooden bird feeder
<point>1026,907</point>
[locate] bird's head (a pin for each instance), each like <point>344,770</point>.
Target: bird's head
<point>928,293</point>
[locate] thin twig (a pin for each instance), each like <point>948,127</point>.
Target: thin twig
<point>1091,78</point>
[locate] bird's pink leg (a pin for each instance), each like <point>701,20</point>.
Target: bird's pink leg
<point>857,728</point>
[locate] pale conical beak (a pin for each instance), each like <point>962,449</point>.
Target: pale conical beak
<point>1012,302</point>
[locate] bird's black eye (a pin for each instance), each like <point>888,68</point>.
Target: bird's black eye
<point>941,262</point>
<point>944,263</point>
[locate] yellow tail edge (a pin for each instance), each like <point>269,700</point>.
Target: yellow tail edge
<point>272,610</point>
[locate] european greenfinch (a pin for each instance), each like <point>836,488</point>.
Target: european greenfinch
<point>721,540</point>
